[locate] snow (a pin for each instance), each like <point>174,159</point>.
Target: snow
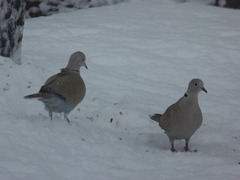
<point>141,56</point>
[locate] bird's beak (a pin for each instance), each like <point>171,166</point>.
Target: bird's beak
<point>204,90</point>
<point>86,66</point>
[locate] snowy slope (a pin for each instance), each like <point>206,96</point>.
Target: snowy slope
<point>141,56</point>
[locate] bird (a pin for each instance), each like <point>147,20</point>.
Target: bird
<point>62,92</point>
<point>183,118</point>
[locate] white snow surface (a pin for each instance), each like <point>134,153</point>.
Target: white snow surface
<point>141,56</point>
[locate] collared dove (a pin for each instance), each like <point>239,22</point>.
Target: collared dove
<point>62,92</point>
<point>182,119</point>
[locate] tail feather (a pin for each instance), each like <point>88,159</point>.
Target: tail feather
<point>155,117</point>
<point>37,95</point>
<point>43,95</point>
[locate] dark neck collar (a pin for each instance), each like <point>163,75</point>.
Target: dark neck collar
<point>67,69</point>
<point>75,70</point>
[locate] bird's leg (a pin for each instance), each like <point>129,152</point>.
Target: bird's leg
<point>186,148</point>
<point>66,118</point>
<point>50,115</point>
<point>172,146</point>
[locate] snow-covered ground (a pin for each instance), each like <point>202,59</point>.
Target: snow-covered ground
<point>141,56</point>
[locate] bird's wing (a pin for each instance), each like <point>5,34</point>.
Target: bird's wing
<point>57,84</point>
<point>170,116</point>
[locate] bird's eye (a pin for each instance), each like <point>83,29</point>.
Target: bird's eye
<point>195,84</point>
<point>82,59</point>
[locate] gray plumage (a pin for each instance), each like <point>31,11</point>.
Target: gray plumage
<point>62,92</point>
<point>182,119</point>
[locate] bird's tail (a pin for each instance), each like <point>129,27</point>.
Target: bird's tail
<point>155,117</point>
<point>37,95</point>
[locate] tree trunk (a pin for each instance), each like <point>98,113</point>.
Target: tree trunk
<point>11,28</point>
<point>235,4</point>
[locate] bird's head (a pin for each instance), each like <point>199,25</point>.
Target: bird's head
<point>77,60</point>
<point>195,86</point>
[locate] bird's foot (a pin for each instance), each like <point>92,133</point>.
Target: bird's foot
<point>173,150</point>
<point>186,149</point>
<point>66,118</point>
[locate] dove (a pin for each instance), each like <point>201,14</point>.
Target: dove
<point>182,119</point>
<point>62,92</point>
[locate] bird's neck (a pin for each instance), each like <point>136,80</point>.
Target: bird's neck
<point>68,69</point>
<point>75,70</point>
<point>191,96</point>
